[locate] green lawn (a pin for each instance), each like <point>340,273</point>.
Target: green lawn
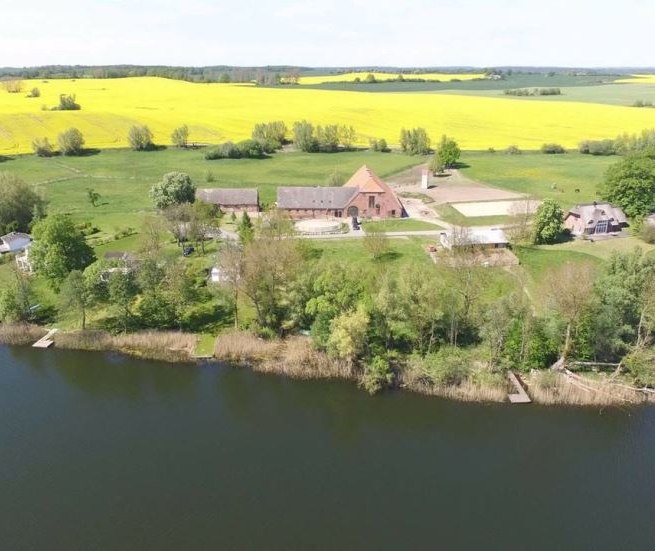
<point>399,224</point>
<point>402,251</point>
<point>601,248</point>
<point>539,175</point>
<point>452,215</point>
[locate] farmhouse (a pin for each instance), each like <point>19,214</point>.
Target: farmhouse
<point>231,200</point>
<point>364,195</point>
<point>595,218</point>
<point>493,238</point>
<point>14,242</point>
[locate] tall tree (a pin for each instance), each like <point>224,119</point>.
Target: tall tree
<point>20,204</point>
<point>548,222</point>
<point>59,248</point>
<point>448,152</point>
<point>174,188</point>
<point>180,136</point>
<point>140,138</point>
<point>630,183</point>
<point>75,295</point>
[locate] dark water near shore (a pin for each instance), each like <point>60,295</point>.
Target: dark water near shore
<point>102,452</point>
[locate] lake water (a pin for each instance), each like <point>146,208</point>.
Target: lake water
<point>102,452</point>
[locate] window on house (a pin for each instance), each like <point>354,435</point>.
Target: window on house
<point>393,212</point>
<point>371,201</point>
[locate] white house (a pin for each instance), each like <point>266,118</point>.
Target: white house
<point>14,242</point>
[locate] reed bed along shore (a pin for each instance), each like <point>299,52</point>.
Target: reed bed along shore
<point>20,333</point>
<point>297,358</point>
<point>292,357</point>
<point>167,346</point>
<point>560,388</point>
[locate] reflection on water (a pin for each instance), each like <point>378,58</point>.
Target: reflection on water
<point>102,451</point>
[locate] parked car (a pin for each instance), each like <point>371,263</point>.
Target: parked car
<point>355,223</point>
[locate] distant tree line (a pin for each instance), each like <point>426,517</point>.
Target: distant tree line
<point>623,144</point>
<point>219,73</point>
<point>533,92</point>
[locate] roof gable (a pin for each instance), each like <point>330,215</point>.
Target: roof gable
<point>367,180</point>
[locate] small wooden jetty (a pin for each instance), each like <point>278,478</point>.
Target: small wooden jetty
<point>520,396</point>
<point>46,341</point>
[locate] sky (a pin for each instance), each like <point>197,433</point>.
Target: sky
<point>405,33</point>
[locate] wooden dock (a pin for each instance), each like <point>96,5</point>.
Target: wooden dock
<point>46,341</point>
<point>520,396</point>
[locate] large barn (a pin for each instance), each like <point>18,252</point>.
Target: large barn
<point>364,195</point>
<point>231,199</point>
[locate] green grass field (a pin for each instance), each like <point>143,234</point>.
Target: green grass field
<point>540,175</point>
<point>124,178</point>
<point>450,214</point>
<point>610,94</point>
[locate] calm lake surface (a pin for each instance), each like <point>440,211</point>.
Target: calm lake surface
<point>102,452</point>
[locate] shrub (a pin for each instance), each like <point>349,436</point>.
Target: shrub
<point>377,375</point>
<point>250,149</point>
<point>67,103</point>
<point>174,189</point>
<point>140,138</point>
<point>180,136</point>
<point>449,366</point>
<point>42,147</point>
<point>415,141</point>
<point>648,233</point>
<point>552,149</point>
<point>378,145</point>
<point>71,142</point>
<point>640,364</point>
<point>597,147</point>
<point>34,93</point>
<point>513,150</point>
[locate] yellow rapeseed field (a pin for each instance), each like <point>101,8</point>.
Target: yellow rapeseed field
<point>219,112</point>
<point>638,79</point>
<point>349,77</point>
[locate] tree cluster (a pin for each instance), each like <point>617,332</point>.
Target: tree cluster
<point>328,138</point>
<point>415,141</point>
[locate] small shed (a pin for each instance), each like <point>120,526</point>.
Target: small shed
<point>14,242</point>
<point>479,238</point>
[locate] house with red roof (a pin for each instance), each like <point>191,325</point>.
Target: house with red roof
<point>364,195</point>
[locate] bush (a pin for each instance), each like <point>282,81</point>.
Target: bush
<point>513,150</point>
<point>552,149</point>
<point>140,138</point>
<point>378,145</point>
<point>42,147</point>
<point>449,366</point>
<point>71,142</point>
<point>67,103</point>
<point>34,93</point>
<point>597,147</point>
<point>648,233</point>
<point>377,375</point>
<point>640,364</point>
<point>250,149</point>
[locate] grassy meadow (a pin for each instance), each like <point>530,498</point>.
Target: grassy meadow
<point>220,112</point>
<point>124,178</point>
<point>539,175</point>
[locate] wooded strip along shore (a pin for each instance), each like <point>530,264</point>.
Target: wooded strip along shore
<point>296,358</point>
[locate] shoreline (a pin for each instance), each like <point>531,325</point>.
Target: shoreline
<point>295,358</point>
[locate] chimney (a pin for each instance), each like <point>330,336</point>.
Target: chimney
<point>424,178</point>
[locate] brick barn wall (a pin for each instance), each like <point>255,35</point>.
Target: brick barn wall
<point>389,207</point>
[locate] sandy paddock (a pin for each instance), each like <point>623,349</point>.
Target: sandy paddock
<point>495,208</point>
